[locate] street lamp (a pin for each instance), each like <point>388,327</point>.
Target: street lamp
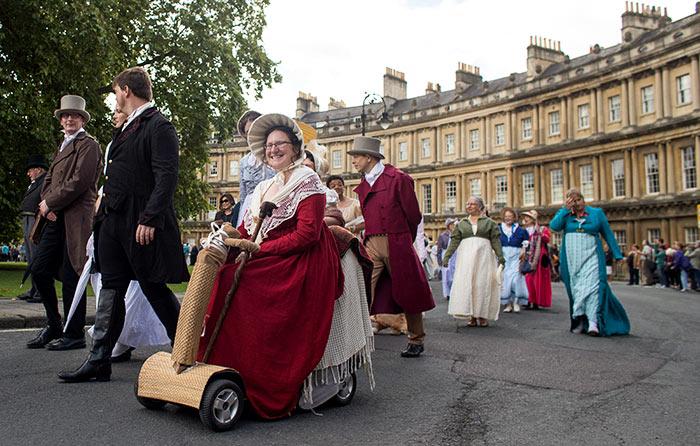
<point>384,121</point>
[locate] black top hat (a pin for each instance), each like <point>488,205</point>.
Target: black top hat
<point>37,161</point>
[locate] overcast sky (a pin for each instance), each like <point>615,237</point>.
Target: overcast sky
<point>339,49</point>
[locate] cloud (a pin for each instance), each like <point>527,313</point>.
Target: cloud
<point>340,49</point>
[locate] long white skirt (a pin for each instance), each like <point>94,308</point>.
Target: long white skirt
<point>477,281</point>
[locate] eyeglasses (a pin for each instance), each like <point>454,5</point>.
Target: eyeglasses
<point>224,201</point>
<point>71,115</point>
<point>275,145</point>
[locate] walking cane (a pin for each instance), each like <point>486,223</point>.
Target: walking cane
<point>266,209</point>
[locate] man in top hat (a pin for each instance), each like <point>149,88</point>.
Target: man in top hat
<point>392,215</point>
<point>136,231</point>
<point>67,202</point>
<point>36,171</point>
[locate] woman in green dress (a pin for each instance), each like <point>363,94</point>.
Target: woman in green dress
<point>475,293</point>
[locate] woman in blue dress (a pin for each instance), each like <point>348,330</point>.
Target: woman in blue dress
<point>513,289</point>
<point>592,305</point>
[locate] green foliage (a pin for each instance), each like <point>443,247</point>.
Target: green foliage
<point>202,56</point>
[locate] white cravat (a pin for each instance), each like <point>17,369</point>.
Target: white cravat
<point>134,114</point>
<point>373,174</point>
<point>68,138</point>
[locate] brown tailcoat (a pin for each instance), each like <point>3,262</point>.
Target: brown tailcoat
<point>70,188</point>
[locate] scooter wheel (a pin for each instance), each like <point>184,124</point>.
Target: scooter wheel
<point>347,391</point>
<point>222,405</point>
<point>148,403</point>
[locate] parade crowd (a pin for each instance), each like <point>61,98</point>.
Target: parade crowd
<point>322,272</point>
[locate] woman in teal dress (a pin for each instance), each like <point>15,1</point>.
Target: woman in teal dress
<point>592,305</point>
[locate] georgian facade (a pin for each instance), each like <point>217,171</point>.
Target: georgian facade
<point>619,123</point>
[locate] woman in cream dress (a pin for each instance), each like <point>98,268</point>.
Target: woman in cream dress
<point>475,293</point>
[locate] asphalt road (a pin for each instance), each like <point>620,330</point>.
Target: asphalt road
<point>524,380</point>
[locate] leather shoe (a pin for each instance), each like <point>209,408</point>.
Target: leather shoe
<point>25,296</point>
<point>36,299</point>
<point>66,344</point>
<point>123,357</point>
<point>45,335</point>
<point>88,371</point>
<point>412,351</point>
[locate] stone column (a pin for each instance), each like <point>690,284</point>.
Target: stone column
<point>697,155</point>
<point>572,174</point>
<point>663,181</point>
<point>415,149</point>
<point>600,110</point>
<point>695,82</point>
<point>659,93</point>
<point>512,137</point>
<point>536,125</point>
<point>436,145</point>
<point>565,175</point>
<point>571,119</point>
<point>542,131</point>
<point>628,174</point>
<point>482,135</point>
<point>458,141</point>
<point>596,178</point>
<point>670,168</point>
<point>460,192</point>
<point>510,185</point>
<point>624,104</point>
<point>603,188</point>
<point>636,193</point>
<point>666,92</point>
<point>632,101</point>
<point>485,187</point>
<point>563,119</point>
<point>593,114</point>
<point>665,230</point>
<point>542,192</point>
<point>487,135</point>
<point>436,195</point>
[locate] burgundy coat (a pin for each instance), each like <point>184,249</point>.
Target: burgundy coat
<point>390,207</point>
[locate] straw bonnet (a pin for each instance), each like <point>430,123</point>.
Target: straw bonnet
<point>319,153</point>
<point>258,132</point>
<point>245,117</point>
<point>308,131</point>
<point>72,104</point>
<point>365,145</point>
<point>532,214</point>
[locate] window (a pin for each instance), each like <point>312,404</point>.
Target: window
<point>475,187</point>
<point>337,159</point>
<point>403,151</point>
<point>212,202</point>
<point>618,178</point>
<point>427,198</point>
<point>526,125</point>
<point>620,237</point>
<point>233,168</point>
<point>211,213</point>
<point>584,117</point>
<point>528,189</point>
<point>425,147</point>
<point>554,123</point>
<point>500,134</point>
<point>651,166</point>
<point>450,144</point>
<point>450,195</point>
<point>691,234</point>
<point>474,139</point>
<point>501,190</point>
<point>647,100</point>
<point>556,186</point>
<point>614,108</point>
<point>586,177</point>
<point>689,173</point>
<point>683,89</point>
<point>214,169</point>
<point>653,234</point>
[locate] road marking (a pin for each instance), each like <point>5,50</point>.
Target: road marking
<point>18,330</point>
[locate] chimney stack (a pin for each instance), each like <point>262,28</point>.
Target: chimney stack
<point>465,76</point>
<point>334,104</point>
<point>430,88</point>
<point>394,84</point>
<point>306,104</point>
<point>541,53</point>
<point>638,19</point>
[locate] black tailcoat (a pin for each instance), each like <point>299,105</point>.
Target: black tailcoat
<point>139,188</point>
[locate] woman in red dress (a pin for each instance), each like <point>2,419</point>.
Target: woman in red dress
<point>276,329</point>
<point>539,281</point>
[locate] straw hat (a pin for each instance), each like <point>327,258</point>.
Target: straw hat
<point>258,132</point>
<point>532,214</point>
<point>365,145</point>
<point>72,104</point>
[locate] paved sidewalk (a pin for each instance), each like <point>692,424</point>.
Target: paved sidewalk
<point>16,313</point>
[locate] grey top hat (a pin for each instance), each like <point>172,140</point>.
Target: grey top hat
<point>365,145</point>
<point>71,103</point>
<point>259,128</point>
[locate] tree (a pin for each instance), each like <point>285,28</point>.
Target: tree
<point>202,56</point>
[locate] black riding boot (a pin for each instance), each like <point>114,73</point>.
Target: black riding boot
<point>164,304</point>
<point>109,321</point>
